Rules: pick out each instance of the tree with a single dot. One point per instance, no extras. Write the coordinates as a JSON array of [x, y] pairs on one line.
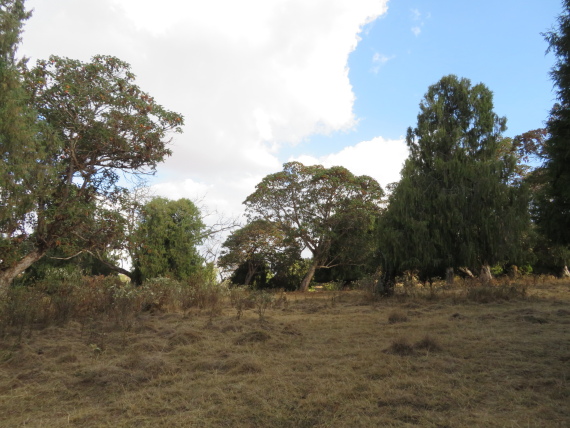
[[21, 176], [256, 245], [553, 209], [166, 240], [91, 122], [353, 256], [311, 204], [460, 202]]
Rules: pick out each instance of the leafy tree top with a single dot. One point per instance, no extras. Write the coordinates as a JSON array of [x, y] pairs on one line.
[[459, 202], [553, 202], [311, 205], [308, 201]]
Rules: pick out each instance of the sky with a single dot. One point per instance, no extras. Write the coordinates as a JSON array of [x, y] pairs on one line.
[[331, 82]]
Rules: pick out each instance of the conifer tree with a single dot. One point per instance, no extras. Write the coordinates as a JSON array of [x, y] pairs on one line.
[[553, 207], [459, 202]]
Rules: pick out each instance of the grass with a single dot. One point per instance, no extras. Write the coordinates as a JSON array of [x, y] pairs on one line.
[[443, 358]]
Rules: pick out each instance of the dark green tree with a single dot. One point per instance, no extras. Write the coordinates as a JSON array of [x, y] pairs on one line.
[[460, 202], [553, 205], [257, 246], [167, 239], [352, 255], [23, 171], [311, 205], [60, 172]]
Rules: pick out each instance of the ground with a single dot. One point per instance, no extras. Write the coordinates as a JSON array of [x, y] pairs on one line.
[[326, 359]]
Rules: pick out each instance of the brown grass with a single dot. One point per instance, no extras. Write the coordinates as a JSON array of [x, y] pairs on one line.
[[457, 361]]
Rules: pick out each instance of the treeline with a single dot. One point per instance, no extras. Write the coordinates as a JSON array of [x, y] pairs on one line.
[[470, 201]]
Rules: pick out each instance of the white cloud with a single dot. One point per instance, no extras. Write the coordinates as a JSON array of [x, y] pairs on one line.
[[379, 158], [378, 61], [417, 16], [248, 76]]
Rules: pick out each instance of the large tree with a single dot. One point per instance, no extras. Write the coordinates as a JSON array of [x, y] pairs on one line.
[[257, 245], [460, 202], [166, 240], [60, 171], [553, 208], [21, 175], [312, 205]]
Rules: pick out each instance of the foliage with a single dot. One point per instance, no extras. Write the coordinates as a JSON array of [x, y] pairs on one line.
[[255, 248], [313, 205], [552, 209], [166, 240], [91, 124], [288, 274], [459, 202], [353, 256]]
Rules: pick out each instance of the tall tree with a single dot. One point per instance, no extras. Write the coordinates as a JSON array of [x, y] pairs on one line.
[[167, 238], [23, 174], [311, 204], [459, 202], [553, 209], [92, 124]]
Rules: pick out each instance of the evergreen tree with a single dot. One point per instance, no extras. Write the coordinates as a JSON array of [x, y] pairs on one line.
[[553, 205], [459, 202]]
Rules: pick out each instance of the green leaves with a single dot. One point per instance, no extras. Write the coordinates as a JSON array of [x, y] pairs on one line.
[[105, 119], [458, 202], [166, 239], [311, 204], [67, 130], [553, 200]]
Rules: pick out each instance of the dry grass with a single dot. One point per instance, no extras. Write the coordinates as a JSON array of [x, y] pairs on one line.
[[308, 361]]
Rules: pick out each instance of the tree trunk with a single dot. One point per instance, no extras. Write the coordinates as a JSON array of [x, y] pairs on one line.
[[467, 272], [8, 275], [565, 272], [250, 272], [449, 276], [309, 277], [118, 269], [485, 277]]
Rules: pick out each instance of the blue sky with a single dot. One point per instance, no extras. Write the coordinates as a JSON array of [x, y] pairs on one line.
[[335, 82], [498, 43]]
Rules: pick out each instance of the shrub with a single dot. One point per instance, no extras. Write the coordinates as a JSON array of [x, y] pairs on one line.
[[397, 316]]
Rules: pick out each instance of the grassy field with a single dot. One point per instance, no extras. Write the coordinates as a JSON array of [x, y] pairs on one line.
[[445, 358]]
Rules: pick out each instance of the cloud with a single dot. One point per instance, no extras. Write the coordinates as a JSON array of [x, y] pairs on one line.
[[378, 61], [417, 16], [379, 158], [248, 76]]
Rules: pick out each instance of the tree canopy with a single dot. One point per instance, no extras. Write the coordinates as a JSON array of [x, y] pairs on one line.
[[68, 129], [311, 204], [258, 244], [459, 202], [166, 240], [553, 205]]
